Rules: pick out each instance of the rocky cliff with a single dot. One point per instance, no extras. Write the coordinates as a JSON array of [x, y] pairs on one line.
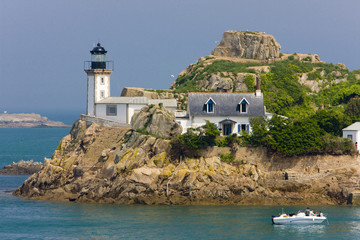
[[126, 166], [254, 45]]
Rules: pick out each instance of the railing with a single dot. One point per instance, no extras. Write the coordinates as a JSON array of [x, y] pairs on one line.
[[109, 65]]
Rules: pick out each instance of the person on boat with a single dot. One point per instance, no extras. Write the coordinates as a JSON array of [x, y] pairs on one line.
[[307, 212]]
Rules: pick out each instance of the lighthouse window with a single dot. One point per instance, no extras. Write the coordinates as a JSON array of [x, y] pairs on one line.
[[102, 94], [102, 80], [111, 110]]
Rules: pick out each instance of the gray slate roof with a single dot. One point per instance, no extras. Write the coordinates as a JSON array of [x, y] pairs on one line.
[[226, 104]]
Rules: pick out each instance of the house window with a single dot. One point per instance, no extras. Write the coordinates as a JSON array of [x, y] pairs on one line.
[[244, 108], [349, 136], [111, 110], [243, 127], [210, 105]]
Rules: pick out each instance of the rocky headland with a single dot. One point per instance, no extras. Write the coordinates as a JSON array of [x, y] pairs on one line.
[[28, 120], [137, 165], [127, 166]]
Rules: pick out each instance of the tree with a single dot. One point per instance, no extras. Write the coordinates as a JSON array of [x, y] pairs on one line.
[[300, 137], [259, 131], [331, 121], [353, 107], [211, 132]]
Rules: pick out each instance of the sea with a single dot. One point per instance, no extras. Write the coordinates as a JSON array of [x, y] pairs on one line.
[[27, 219]]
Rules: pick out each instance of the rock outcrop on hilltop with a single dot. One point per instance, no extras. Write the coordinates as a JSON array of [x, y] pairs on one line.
[[124, 166], [254, 45]]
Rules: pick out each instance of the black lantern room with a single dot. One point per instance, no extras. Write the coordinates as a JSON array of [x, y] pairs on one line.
[[98, 57]]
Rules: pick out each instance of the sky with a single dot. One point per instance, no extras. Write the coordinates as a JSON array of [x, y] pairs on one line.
[[43, 44]]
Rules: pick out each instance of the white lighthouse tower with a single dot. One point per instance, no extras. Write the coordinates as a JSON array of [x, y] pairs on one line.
[[98, 79]]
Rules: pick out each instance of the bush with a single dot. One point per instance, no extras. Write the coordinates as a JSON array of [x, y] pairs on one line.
[[338, 145], [298, 138], [226, 157], [221, 142], [331, 121], [353, 107], [249, 80], [259, 131], [193, 140]]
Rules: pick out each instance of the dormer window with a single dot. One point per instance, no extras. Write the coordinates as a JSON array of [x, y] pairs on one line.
[[210, 105], [243, 106]]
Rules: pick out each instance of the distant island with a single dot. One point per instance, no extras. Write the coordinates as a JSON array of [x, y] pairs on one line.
[[28, 120]]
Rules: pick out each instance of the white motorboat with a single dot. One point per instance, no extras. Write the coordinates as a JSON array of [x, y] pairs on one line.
[[299, 218]]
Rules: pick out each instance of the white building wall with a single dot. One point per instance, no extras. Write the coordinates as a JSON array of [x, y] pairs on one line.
[[122, 109], [102, 87], [90, 96], [354, 136], [120, 112], [198, 121], [185, 123]]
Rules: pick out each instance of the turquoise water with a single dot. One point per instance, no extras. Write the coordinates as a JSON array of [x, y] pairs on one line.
[[23, 219], [29, 143]]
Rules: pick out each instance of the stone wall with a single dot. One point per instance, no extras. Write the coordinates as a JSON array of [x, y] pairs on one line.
[[102, 121]]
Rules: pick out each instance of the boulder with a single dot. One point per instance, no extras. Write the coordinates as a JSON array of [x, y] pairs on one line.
[[157, 121], [138, 92], [78, 130]]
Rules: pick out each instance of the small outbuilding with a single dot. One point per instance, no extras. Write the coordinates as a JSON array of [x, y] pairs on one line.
[[353, 132]]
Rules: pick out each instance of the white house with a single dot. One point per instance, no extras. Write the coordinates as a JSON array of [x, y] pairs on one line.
[[100, 104], [353, 132], [231, 112]]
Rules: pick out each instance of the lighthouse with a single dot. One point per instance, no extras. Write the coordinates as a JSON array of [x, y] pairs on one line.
[[98, 72]]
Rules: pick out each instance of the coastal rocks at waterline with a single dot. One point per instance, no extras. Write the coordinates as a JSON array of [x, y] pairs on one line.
[[253, 45], [21, 168], [127, 166]]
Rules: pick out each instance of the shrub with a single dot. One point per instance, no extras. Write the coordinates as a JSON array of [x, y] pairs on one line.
[[291, 58], [193, 140], [221, 142], [338, 145], [353, 107], [314, 76], [226, 157], [331, 121], [297, 138], [249, 80], [259, 131]]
